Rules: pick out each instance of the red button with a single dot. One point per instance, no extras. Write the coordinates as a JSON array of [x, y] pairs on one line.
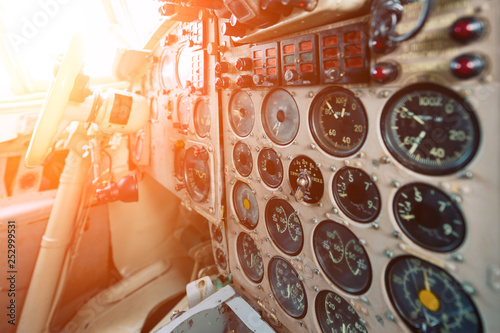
[[467, 29]]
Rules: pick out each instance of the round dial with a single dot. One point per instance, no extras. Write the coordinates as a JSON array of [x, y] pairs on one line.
[[338, 121], [429, 217], [242, 158], [220, 259], [167, 70], [342, 257], [179, 153], [184, 67], [202, 118], [217, 232], [280, 117], [270, 167], [183, 111], [284, 226], [357, 195], [245, 205], [430, 129], [428, 299], [241, 113], [287, 287], [335, 315], [197, 172], [250, 257], [306, 179]]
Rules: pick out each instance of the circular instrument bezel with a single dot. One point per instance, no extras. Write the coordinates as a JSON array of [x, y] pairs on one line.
[[196, 193], [250, 273], [287, 116], [432, 167], [202, 130], [252, 201], [167, 80], [240, 167], [235, 97], [343, 309], [320, 133], [316, 183], [274, 179], [283, 236]]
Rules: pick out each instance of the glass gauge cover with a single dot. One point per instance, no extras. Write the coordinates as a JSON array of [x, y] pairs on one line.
[[202, 118], [280, 117], [429, 217], [287, 287], [250, 257], [245, 205], [430, 129], [220, 259], [167, 70], [242, 158], [184, 67], [179, 153], [342, 257], [270, 167], [183, 111], [284, 226], [356, 194], [197, 173], [306, 179], [338, 121], [241, 113], [428, 299], [336, 315], [217, 231]]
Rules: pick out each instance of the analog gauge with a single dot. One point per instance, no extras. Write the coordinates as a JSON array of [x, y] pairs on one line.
[[338, 121], [284, 226], [202, 118], [306, 179], [183, 70], [430, 129], [183, 111], [153, 108], [242, 158], [429, 217], [216, 232], [250, 257], [241, 113], [356, 194], [197, 173], [287, 287], [342, 257], [179, 153], [428, 299], [335, 315], [245, 205], [167, 70], [270, 167], [280, 117], [220, 259]]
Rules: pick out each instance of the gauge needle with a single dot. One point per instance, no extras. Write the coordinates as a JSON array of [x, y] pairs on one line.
[[407, 217], [331, 255], [288, 289], [342, 114], [417, 142], [418, 119], [331, 110], [426, 282], [343, 328]]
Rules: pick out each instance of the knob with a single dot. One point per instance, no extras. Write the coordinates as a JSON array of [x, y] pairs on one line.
[[221, 82], [213, 48], [334, 74], [227, 29], [291, 75], [384, 72], [221, 67], [243, 64], [467, 29], [244, 81], [467, 66]]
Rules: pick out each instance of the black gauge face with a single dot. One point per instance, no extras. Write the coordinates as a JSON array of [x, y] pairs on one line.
[[183, 111], [167, 71], [184, 67], [429, 217], [179, 153], [202, 118], [357, 195], [197, 173], [250, 257], [335, 315], [284, 226], [242, 158], [287, 287], [241, 113], [430, 129], [338, 121], [342, 257], [245, 205], [280, 117], [216, 232], [306, 179], [428, 299], [220, 259], [270, 167]]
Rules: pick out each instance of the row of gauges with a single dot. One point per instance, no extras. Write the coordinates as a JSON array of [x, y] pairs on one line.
[[428, 128], [426, 214], [427, 298], [201, 115]]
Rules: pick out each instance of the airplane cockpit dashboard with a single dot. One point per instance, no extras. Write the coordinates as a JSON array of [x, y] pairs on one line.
[[331, 166]]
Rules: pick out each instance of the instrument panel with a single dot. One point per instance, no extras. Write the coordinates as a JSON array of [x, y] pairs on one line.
[[348, 189]]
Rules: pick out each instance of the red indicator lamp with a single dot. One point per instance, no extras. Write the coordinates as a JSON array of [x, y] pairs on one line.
[[467, 29], [384, 72], [467, 66]]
